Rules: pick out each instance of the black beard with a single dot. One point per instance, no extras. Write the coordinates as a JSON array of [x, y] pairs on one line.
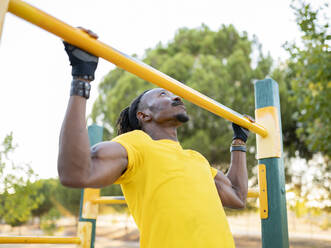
[[182, 118]]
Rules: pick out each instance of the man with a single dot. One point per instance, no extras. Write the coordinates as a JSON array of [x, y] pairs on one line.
[[174, 195]]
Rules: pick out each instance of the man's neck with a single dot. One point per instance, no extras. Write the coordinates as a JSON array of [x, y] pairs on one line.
[[159, 132]]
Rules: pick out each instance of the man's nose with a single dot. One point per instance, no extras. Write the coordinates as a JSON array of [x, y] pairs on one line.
[[176, 98]]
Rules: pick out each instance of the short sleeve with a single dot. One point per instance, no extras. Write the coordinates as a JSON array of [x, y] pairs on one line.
[[130, 143], [213, 171]]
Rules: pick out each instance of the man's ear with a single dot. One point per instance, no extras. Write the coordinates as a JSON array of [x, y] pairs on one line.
[[143, 117]]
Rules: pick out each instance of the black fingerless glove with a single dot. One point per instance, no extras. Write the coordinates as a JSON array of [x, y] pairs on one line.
[[240, 132], [83, 63]]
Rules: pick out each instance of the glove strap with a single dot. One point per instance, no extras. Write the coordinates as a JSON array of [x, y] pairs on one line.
[[80, 88], [237, 148]]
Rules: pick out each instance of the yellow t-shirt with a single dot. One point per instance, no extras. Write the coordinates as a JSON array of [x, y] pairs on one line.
[[171, 195]]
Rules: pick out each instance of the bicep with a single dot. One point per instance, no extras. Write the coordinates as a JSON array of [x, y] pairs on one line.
[[108, 161], [227, 192]]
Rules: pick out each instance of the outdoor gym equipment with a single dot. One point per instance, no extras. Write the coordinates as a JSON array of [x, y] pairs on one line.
[[267, 127]]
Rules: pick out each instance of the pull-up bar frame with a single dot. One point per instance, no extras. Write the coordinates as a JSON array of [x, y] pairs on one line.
[[80, 39], [268, 127]]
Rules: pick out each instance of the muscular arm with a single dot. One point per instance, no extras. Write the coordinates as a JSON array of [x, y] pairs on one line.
[[78, 165], [232, 188]]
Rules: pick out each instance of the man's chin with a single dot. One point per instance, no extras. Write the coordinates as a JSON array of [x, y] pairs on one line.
[[183, 118]]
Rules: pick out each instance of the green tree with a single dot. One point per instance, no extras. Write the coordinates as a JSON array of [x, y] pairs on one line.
[[56, 198], [216, 63], [309, 74], [48, 221], [46, 189], [19, 196], [69, 198]]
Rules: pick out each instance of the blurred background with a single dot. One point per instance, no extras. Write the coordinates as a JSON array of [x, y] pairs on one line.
[[216, 47]]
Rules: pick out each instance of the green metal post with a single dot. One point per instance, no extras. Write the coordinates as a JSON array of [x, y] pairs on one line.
[[95, 133], [274, 227]]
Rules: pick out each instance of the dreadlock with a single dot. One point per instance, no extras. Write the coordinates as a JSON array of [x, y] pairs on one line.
[[127, 121]]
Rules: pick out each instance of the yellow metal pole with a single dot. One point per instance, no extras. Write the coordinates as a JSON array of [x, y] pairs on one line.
[[109, 200], [3, 11], [39, 240], [88, 215], [253, 193], [82, 40]]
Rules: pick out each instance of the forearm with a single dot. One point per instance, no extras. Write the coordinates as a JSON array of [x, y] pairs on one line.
[[74, 160], [237, 174], [74, 149]]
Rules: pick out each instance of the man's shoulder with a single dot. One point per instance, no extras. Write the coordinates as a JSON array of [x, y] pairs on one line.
[[196, 154], [135, 136]]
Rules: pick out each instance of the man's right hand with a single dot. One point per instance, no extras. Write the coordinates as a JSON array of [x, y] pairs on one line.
[[241, 132], [83, 63]]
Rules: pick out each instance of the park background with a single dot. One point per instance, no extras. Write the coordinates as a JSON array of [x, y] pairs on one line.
[[216, 47]]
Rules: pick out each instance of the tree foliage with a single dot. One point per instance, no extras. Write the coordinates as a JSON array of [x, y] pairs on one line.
[[216, 63], [18, 196], [68, 198], [309, 74], [48, 221], [47, 189], [55, 195]]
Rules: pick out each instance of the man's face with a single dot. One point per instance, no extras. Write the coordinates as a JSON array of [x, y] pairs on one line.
[[163, 106]]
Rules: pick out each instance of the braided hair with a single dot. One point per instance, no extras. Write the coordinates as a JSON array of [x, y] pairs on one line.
[[127, 121]]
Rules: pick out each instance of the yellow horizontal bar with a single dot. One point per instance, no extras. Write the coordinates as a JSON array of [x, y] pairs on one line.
[[39, 240], [84, 41], [253, 193], [109, 200], [121, 200]]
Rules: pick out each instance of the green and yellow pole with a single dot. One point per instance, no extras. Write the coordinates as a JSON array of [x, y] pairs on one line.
[[84, 41], [271, 166], [88, 210]]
